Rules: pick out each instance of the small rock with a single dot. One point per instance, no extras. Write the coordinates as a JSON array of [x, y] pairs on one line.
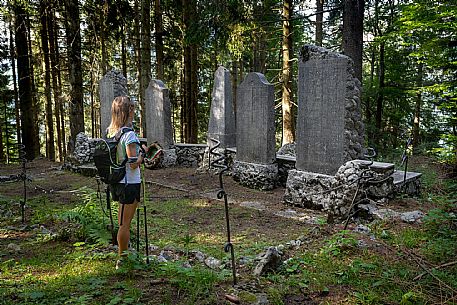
[[161, 259], [383, 214], [362, 229], [13, 247], [199, 256], [212, 263], [168, 255], [269, 261], [153, 248], [244, 260], [262, 299], [412, 217], [186, 265]]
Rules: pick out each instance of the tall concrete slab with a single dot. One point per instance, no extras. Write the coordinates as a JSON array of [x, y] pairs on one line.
[[221, 125], [158, 114], [255, 126], [255, 165], [329, 126], [112, 85]]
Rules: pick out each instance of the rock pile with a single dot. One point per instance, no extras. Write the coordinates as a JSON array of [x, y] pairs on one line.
[[337, 195], [84, 149]]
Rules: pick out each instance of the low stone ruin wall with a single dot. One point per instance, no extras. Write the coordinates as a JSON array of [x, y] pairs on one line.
[[187, 155], [354, 184]]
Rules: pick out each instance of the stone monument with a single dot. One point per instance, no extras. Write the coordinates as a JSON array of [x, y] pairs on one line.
[[329, 132], [113, 84], [255, 165], [158, 120], [221, 124]]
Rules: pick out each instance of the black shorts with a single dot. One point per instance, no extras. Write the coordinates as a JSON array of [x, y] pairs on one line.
[[126, 194]]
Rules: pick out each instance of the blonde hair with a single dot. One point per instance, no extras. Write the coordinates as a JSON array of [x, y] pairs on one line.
[[120, 111]]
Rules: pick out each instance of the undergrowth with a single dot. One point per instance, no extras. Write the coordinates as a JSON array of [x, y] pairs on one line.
[[403, 264]]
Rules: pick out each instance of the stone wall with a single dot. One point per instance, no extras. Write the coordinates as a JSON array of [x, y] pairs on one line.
[[354, 183]]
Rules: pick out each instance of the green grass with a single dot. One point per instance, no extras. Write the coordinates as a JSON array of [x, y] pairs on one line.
[[75, 266]]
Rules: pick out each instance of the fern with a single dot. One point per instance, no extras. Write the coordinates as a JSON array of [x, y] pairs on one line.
[[92, 217]]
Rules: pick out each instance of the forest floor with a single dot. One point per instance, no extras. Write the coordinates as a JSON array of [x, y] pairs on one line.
[[61, 254]]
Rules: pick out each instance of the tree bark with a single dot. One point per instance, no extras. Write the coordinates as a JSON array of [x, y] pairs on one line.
[[103, 35], [73, 36], [158, 22], [288, 126], [194, 95], [124, 52], [319, 22], [380, 97], [145, 32], [353, 33], [44, 12], [28, 125], [137, 46], [15, 92], [417, 108], [55, 70], [36, 107], [190, 92]]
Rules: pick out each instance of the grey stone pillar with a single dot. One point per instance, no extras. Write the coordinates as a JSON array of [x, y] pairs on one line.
[[112, 85], [158, 119], [329, 125], [255, 165], [221, 124], [329, 129]]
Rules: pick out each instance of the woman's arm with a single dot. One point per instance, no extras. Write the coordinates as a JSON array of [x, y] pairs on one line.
[[131, 153]]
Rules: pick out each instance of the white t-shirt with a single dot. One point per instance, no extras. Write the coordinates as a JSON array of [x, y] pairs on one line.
[[132, 175]]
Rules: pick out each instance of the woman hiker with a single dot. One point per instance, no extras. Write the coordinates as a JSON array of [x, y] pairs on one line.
[[127, 191]]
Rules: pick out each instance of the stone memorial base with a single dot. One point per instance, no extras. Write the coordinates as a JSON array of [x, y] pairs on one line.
[[310, 190], [256, 176], [169, 158], [355, 182]]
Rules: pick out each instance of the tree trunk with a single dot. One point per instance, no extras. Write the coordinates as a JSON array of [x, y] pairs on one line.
[[190, 94], [36, 107], [15, 92], [124, 51], [73, 36], [319, 22], [417, 108], [194, 95], [137, 45], [55, 70], [103, 35], [288, 128], [28, 125], [380, 97], [159, 39], [44, 12], [5, 120], [61, 102], [145, 32], [353, 33]]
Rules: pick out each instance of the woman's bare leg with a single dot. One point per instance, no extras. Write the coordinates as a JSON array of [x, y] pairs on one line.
[[123, 235]]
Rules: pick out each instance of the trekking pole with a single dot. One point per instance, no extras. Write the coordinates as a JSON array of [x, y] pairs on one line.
[[143, 181], [146, 234], [222, 194], [108, 206], [138, 230]]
